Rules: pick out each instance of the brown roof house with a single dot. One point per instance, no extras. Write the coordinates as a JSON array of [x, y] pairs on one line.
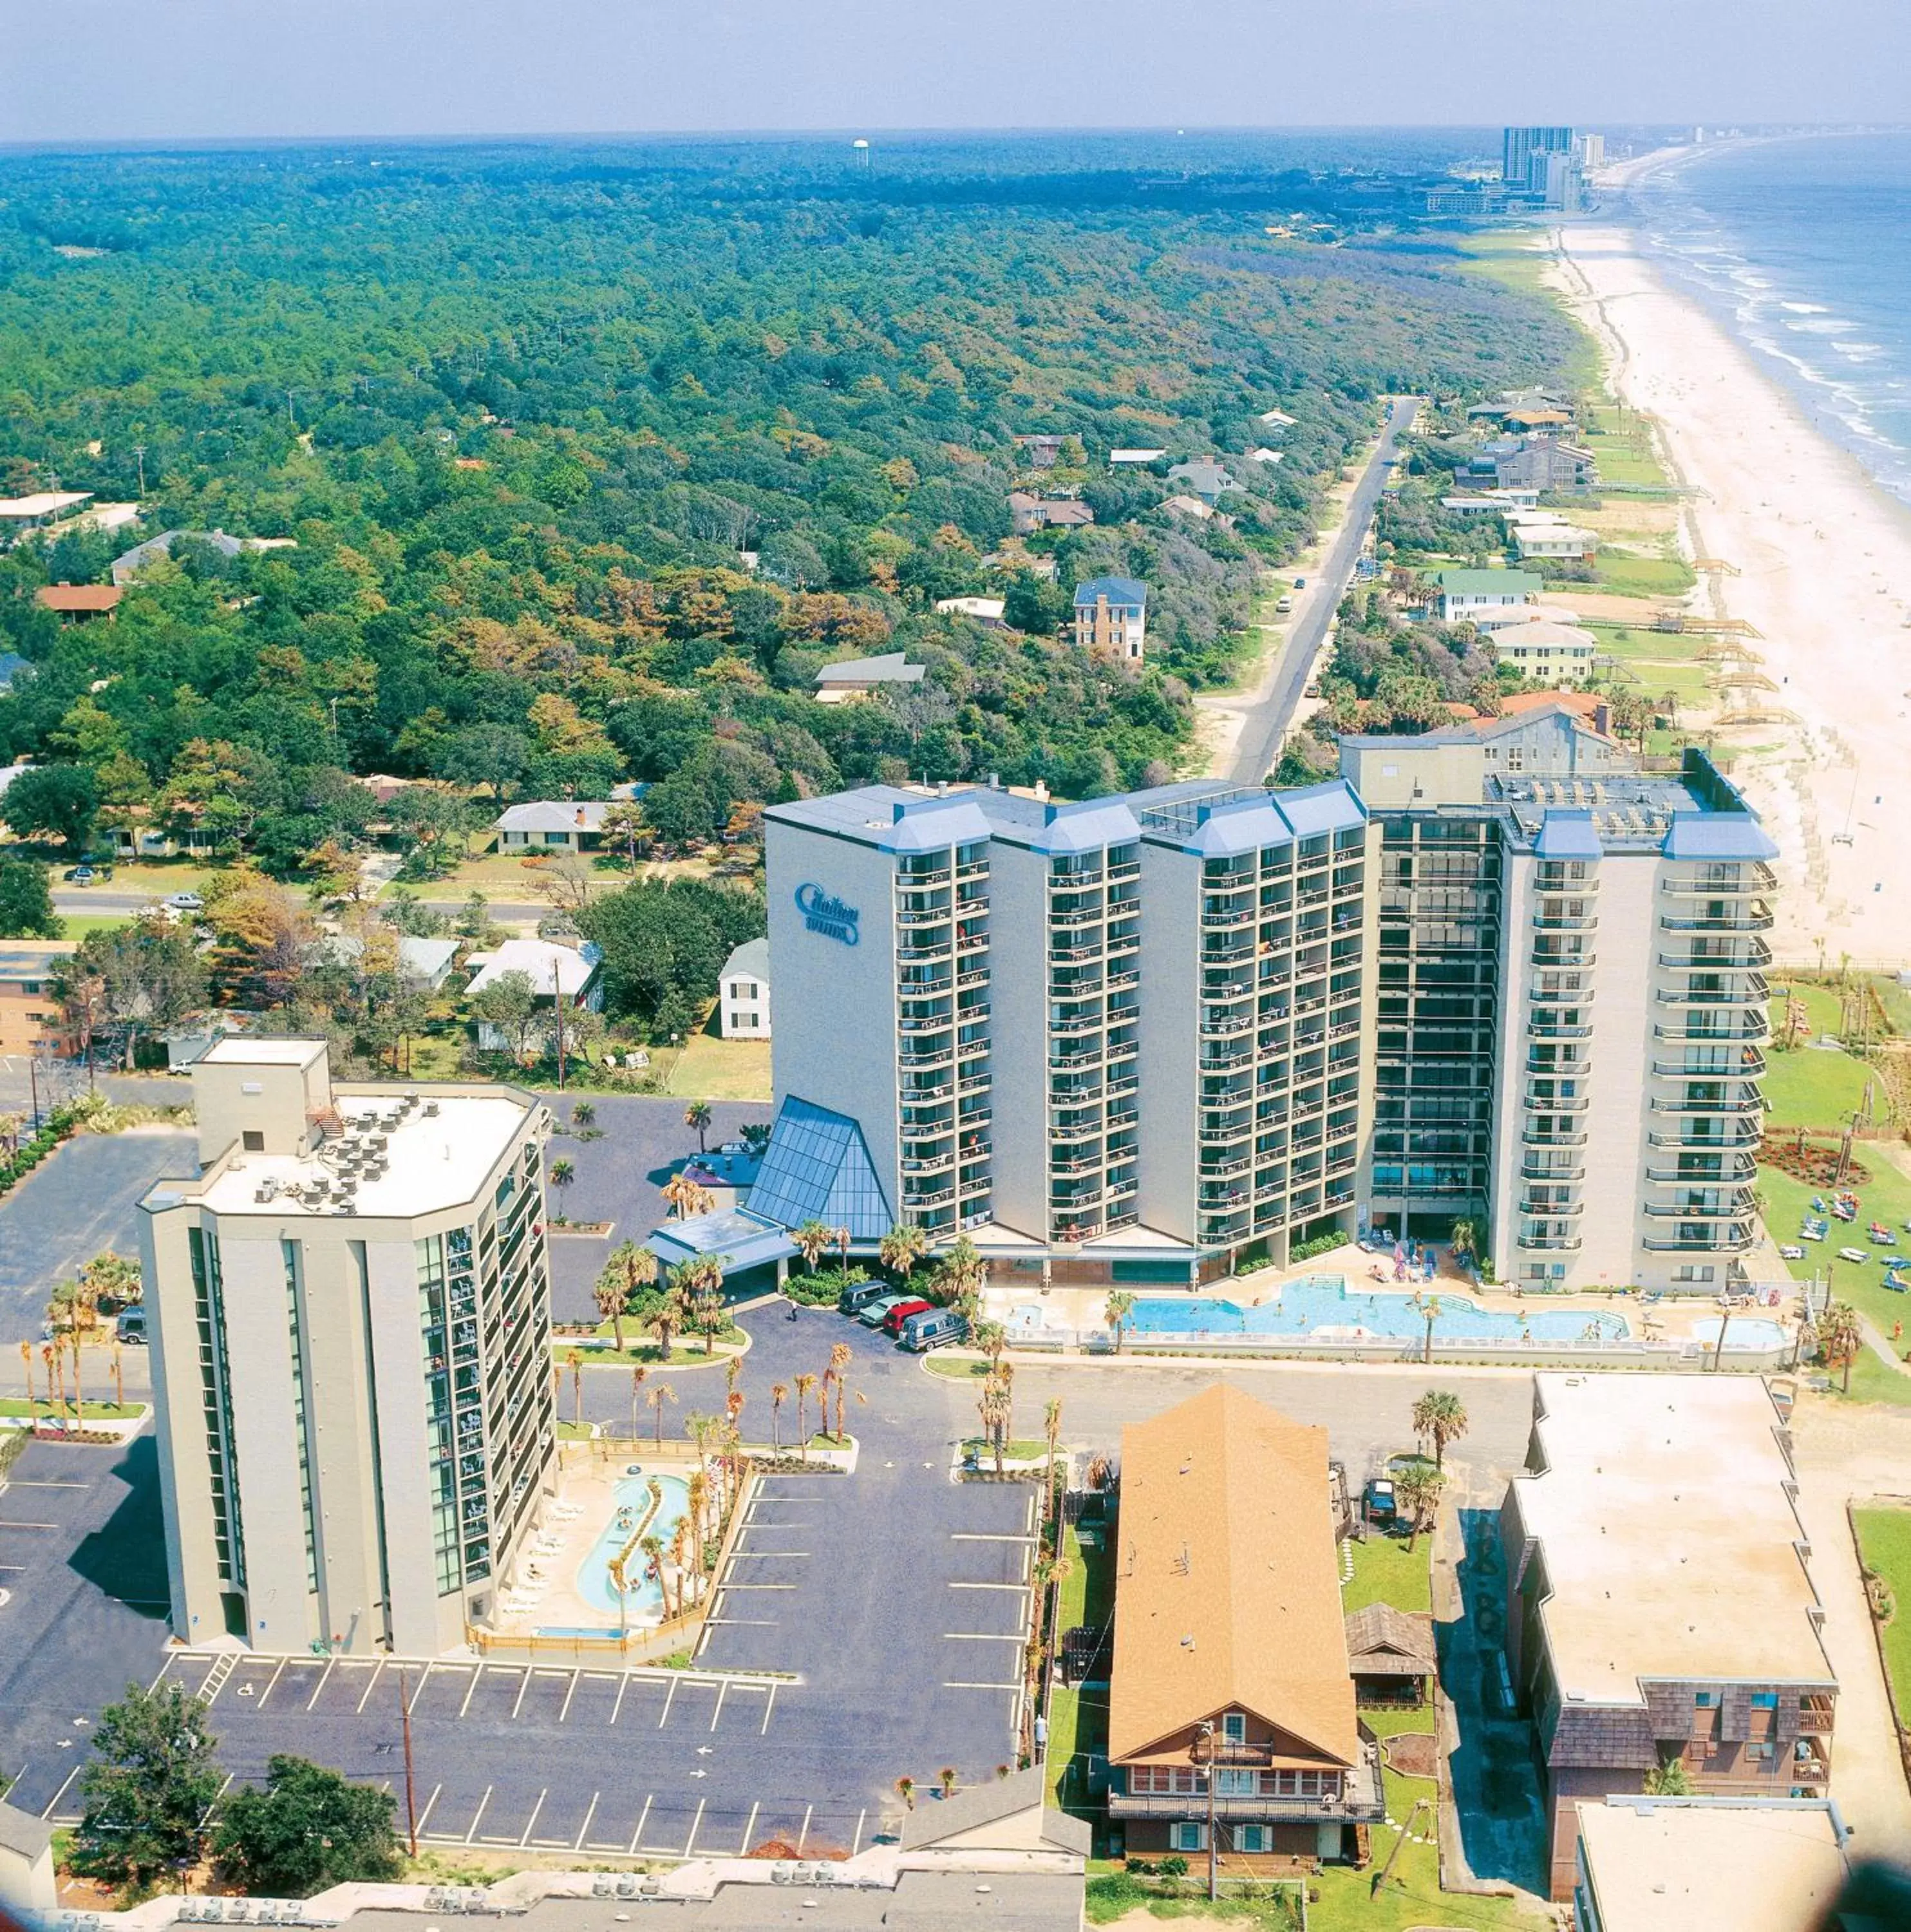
[[1230, 1658], [1390, 1655], [79, 603], [1029, 513]]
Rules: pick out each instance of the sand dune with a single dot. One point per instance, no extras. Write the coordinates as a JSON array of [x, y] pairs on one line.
[[1825, 556]]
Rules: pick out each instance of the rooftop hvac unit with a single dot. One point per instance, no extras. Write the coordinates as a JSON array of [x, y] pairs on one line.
[[431, 1110]]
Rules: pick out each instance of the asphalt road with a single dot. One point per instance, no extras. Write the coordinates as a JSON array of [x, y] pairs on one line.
[[1258, 748]]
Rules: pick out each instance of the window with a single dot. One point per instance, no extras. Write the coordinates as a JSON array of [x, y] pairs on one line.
[[252, 1141], [1253, 1838], [1705, 1700], [1236, 1783], [1760, 1754], [1187, 1836], [1234, 1727], [1765, 1700]]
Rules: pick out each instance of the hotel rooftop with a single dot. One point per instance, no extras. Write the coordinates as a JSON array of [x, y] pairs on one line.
[[1663, 1509]]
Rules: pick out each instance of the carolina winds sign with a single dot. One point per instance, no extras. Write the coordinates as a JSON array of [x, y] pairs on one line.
[[827, 915]]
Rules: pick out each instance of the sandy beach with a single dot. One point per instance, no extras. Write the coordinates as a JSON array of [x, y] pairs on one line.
[[1824, 561]]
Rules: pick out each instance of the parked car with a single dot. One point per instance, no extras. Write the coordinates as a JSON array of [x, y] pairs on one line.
[[185, 902], [1380, 1500], [1283, 605], [900, 1312], [1300, 583], [132, 1326], [859, 1295], [934, 1330], [872, 1313], [79, 875]]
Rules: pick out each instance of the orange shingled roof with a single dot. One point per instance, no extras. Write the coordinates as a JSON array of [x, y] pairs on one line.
[[1225, 1537], [80, 596]]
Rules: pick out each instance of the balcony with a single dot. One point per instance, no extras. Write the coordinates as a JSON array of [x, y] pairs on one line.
[[1553, 1244], [1553, 1211], [1755, 918], [913, 1060], [1565, 922], [1718, 881], [1363, 1804], [1754, 1105], [1748, 1063], [1532, 1136], [1542, 1026], [1225, 1025], [1076, 1025], [1737, 1240], [1734, 1205], [1688, 1142], [1532, 1170], [1756, 1030], [1061, 951], [1754, 989], [926, 1197], [909, 917], [1576, 996], [909, 953], [1222, 1061]]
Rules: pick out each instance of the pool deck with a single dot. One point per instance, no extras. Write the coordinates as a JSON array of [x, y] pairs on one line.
[[589, 1475], [1674, 1321]]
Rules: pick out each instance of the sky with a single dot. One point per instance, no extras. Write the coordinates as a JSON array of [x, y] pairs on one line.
[[145, 70]]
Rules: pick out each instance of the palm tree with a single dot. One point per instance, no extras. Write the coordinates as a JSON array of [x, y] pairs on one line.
[[1440, 1417], [1668, 1779], [696, 1496], [1465, 1236], [658, 1397], [946, 1778], [842, 1247], [608, 1293], [963, 1272], [905, 1791], [584, 1115], [1116, 1311], [1052, 1429], [574, 1362], [687, 1198], [637, 1375], [839, 1360], [991, 1337], [652, 1547], [901, 1249], [697, 1115], [1418, 1485], [804, 1383], [673, 1315], [79, 1398], [992, 1407], [811, 1237], [562, 1175], [1428, 1306], [26, 1356], [680, 1556], [706, 1298], [633, 1266], [1842, 1338], [779, 1392]]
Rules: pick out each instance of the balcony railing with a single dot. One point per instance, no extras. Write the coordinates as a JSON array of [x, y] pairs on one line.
[[1734, 1241], [1741, 1168], [1755, 918], [1755, 1104], [1690, 1143], [1553, 1211], [1553, 1244]]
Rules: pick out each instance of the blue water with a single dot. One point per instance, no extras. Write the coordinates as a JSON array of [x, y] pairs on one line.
[[1800, 245], [1745, 1331], [1307, 1307], [645, 1596]]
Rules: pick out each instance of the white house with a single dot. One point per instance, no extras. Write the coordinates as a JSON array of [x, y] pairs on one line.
[[984, 609], [552, 825], [565, 976], [743, 992], [1122, 458], [857, 677], [1545, 652]]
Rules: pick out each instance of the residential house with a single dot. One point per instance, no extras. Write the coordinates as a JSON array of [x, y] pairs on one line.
[[857, 677], [1390, 1654], [1043, 451], [552, 825], [1029, 513], [30, 1018], [1547, 653], [985, 610], [29, 1890], [1230, 1654], [1711, 1864], [743, 992], [423, 965], [1532, 462], [1265, 455], [1660, 1608], [1205, 478], [1483, 506], [1277, 419], [19, 514], [1121, 458], [1483, 597], [565, 976], [78, 603], [129, 563], [1111, 617], [1193, 506], [1537, 533]]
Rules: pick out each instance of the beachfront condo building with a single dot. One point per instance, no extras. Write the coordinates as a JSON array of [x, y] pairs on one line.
[[1115, 1041], [349, 1313], [1568, 1002]]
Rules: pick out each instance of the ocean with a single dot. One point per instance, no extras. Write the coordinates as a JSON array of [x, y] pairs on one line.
[[1801, 245]]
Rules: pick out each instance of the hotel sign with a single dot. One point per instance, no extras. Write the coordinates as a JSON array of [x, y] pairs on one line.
[[823, 914]]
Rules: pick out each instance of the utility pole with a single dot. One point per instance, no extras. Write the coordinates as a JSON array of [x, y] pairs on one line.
[[33, 1080], [140, 458], [410, 1787], [1214, 1850]]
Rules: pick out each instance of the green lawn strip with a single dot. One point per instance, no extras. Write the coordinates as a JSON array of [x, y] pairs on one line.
[[636, 1353], [1017, 1449], [1385, 1572], [1643, 576], [958, 1368], [1884, 1539], [91, 1411], [1820, 1004], [1887, 1197], [78, 925], [1809, 1086]]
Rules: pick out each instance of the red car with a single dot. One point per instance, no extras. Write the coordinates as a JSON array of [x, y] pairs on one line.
[[892, 1322]]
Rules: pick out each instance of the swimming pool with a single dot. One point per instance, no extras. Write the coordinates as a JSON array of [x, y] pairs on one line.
[[1743, 1331], [643, 1596], [1322, 1306]]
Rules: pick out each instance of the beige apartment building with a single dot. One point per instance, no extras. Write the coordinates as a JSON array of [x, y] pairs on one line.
[[349, 1311], [1660, 1608]]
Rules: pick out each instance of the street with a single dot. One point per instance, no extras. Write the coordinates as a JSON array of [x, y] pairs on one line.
[[1258, 748]]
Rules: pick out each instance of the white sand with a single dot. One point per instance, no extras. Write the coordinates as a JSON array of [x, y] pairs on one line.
[[1825, 558]]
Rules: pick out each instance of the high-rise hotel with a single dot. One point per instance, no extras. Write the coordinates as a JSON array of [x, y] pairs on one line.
[[1114, 1041], [1495, 972], [349, 1311]]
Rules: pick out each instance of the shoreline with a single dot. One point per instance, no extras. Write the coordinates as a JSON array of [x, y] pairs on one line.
[[1822, 554]]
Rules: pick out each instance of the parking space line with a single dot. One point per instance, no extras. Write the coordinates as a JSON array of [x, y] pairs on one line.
[[952, 1685], [623, 1687], [424, 1678], [378, 1671], [802, 1837], [517, 1703], [269, 1690], [987, 1536], [424, 1817], [28, 1525], [578, 1845], [856, 1844], [769, 1705], [643, 1818], [532, 1820], [723, 1690], [728, 1587], [572, 1691], [669, 1697], [324, 1677], [981, 1637], [1017, 1587], [766, 1623], [53, 1804], [801, 1555], [694, 1823], [471, 1689], [471, 1837], [743, 1850]]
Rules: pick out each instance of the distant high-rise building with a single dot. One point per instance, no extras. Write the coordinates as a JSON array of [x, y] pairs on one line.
[[1519, 144], [1591, 151]]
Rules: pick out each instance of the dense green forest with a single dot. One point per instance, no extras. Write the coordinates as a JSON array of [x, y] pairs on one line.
[[592, 456]]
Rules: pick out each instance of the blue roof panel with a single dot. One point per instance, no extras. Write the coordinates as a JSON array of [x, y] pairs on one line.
[[817, 1167], [1568, 835], [1116, 589], [1331, 807], [1717, 835]]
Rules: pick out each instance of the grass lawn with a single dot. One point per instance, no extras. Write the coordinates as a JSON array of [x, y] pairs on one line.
[[78, 925], [1386, 1572], [686, 1350], [957, 1368], [1808, 1086], [1884, 1538], [1653, 577], [710, 1069], [1017, 1449], [92, 1411]]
